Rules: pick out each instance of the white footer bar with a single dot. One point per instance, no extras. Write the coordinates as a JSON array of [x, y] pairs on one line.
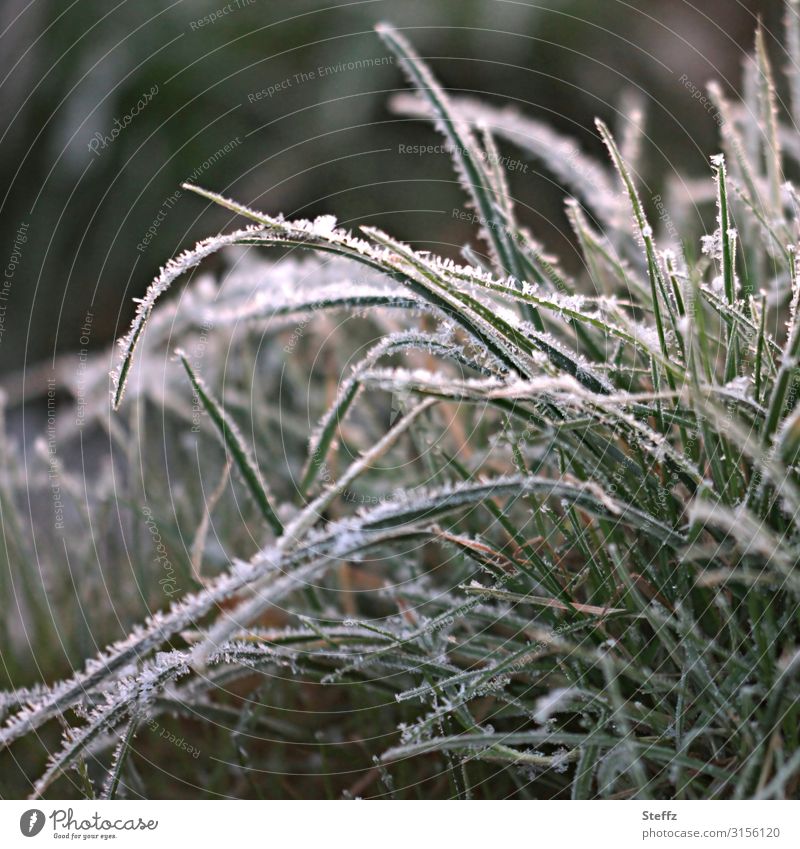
[[406, 825]]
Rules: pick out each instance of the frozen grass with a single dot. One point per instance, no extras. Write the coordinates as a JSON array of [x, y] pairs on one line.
[[573, 573]]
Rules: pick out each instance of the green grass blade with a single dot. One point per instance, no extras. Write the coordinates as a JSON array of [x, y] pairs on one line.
[[232, 440]]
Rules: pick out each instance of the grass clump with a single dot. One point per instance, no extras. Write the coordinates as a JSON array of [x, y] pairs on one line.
[[573, 570]]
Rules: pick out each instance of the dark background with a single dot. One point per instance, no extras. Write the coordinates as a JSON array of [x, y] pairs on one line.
[[69, 69]]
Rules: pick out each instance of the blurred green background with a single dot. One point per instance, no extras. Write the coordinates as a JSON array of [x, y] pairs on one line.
[[181, 81]]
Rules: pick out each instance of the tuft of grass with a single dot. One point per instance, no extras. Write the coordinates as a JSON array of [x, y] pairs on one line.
[[573, 573]]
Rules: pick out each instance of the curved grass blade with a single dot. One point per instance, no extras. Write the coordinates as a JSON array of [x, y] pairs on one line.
[[233, 441], [171, 271]]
